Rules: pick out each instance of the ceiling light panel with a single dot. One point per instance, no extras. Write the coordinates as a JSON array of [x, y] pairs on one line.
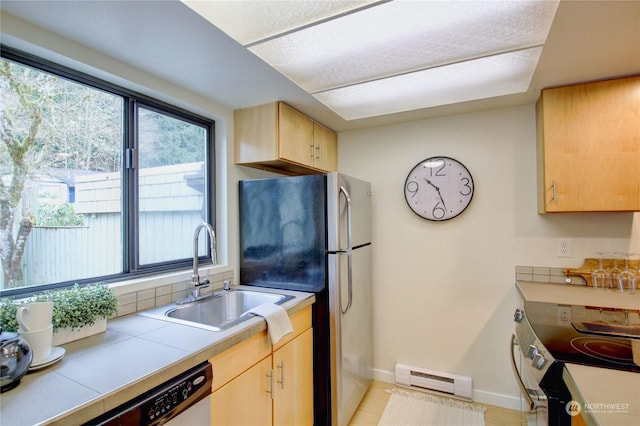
[[465, 81], [402, 36], [248, 21]]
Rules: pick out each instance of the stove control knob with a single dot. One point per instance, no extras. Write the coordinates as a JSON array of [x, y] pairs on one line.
[[532, 351], [518, 315], [539, 361]]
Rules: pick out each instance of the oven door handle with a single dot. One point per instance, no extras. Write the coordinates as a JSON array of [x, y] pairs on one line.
[[523, 388]]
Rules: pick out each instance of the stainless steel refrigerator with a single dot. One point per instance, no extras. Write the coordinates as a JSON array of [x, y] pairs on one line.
[[313, 233]]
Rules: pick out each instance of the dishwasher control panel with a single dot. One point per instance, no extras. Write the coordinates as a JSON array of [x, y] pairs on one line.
[[163, 402]]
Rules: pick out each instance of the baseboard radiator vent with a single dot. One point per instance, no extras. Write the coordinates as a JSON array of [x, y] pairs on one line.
[[434, 381]]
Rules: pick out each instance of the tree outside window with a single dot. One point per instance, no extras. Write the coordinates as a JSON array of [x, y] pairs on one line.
[[64, 179]]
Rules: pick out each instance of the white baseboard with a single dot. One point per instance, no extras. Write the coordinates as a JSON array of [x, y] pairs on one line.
[[384, 376], [483, 397], [497, 400]]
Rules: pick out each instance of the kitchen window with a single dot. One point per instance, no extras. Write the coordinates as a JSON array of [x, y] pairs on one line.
[[98, 183]]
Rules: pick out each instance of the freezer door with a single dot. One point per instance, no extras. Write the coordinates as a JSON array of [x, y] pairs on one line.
[[340, 188], [283, 233]]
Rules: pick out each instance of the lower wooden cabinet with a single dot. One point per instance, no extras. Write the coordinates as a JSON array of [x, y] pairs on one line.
[[255, 383], [246, 399], [293, 384]]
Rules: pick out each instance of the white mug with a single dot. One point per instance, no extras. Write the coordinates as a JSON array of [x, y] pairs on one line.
[[35, 316], [40, 342]]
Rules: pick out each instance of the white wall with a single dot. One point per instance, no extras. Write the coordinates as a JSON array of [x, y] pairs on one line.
[[444, 292]]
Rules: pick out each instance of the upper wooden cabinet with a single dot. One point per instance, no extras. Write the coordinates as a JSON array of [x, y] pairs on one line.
[[278, 138], [588, 138]]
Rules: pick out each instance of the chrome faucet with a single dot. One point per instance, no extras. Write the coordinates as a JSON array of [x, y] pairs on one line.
[[195, 278]]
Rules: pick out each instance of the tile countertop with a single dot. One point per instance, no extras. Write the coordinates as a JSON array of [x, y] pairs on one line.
[[607, 397], [612, 397], [135, 354]]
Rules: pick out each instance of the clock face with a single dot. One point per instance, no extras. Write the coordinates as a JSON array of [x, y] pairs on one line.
[[438, 188]]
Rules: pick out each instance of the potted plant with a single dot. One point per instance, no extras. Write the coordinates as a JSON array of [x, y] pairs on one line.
[[77, 311]]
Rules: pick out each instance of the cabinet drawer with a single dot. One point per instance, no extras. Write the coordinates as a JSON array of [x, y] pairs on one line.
[[232, 362], [300, 321]]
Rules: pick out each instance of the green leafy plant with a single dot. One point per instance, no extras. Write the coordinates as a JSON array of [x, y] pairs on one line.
[[73, 307], [62, 215]]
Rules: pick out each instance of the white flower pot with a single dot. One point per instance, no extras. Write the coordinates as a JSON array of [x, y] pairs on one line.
[[66, 335]]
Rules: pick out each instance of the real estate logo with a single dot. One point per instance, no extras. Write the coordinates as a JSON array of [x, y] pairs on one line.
[[573, 408]]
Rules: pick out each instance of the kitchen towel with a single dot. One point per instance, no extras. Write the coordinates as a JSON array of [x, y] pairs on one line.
[[278, 323]]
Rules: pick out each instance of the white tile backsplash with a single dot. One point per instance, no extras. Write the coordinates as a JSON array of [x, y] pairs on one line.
[[544, 274], [129, 303]]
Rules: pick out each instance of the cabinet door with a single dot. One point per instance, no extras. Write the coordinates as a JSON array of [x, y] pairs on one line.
[[295, 136], [255, 130], [589, 142], [325, 148], [246, 399], [293, 374]]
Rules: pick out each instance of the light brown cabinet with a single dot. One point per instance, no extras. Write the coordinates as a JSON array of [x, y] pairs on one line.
[[256, 383], [276, 137], [293, 386], [589, 147]]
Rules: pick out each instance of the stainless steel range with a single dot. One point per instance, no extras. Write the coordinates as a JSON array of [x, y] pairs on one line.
[[548, 335]]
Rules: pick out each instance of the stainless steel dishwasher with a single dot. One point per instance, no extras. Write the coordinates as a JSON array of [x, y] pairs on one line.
[[183, 400]]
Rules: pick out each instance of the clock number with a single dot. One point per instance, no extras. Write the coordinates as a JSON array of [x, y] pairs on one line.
[[413, 189], [467, 188], [438, 170], [438, 211]]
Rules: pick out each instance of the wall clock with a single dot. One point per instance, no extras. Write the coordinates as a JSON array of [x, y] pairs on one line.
[[438, 188]]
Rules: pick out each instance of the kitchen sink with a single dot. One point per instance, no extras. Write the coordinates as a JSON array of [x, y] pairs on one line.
[[217, 312]]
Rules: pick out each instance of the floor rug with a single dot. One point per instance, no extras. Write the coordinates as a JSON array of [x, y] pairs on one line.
[[419, 409]]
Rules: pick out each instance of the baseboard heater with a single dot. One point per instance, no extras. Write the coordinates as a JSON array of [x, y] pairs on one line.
[[433, 381]]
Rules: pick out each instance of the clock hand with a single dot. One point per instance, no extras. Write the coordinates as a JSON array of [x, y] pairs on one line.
[[438, 191], [430, 183]]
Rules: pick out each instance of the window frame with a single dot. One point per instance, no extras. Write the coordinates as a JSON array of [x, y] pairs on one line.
[[132, 100]]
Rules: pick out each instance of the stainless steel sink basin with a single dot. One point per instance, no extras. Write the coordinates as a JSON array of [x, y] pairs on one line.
[[218, 312]]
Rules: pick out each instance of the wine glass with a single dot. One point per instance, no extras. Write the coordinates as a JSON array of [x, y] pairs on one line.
[[614, 271], [600, 278], [627, 279]]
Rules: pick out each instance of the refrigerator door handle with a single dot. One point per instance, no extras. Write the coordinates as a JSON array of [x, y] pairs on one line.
[[348, 250], [349, 285]]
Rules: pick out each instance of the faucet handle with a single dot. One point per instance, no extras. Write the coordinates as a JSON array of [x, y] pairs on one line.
[[204, 283]]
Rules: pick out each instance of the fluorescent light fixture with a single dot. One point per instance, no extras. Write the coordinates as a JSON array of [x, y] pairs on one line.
[[248, 21], [482, 78], [370, 58]]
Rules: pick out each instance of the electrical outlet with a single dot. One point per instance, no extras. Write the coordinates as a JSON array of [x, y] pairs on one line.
[[564, 247], [564, 314]]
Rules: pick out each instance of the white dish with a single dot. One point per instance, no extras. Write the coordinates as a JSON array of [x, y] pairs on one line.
[[56, 355]]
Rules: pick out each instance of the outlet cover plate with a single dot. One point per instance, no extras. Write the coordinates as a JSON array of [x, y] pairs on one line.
[[564, 247]]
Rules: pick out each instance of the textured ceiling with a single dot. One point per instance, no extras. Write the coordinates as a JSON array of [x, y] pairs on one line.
[[589, 40]]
